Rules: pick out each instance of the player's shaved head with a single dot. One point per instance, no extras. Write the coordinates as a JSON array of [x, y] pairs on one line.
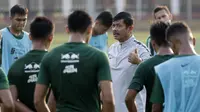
[[179, 31], [180, 37]]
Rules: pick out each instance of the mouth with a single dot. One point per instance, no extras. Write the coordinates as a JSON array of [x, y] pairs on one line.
[[20, 26], [116, 34]]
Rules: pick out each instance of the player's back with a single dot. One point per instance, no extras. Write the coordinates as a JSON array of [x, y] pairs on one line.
[[180, 79], [75, 74], [23, 74]]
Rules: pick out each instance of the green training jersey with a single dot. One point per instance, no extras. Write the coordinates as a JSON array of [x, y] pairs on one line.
[[149, 45], [74, 71], [145, 75], [23, 74], [3, 80]]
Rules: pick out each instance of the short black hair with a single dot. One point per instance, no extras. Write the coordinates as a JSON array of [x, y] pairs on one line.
[[128, 20], [41, 28], [79, 21], [105, 18], [159, 8], [177, 28], [18, 9], [157, 32]]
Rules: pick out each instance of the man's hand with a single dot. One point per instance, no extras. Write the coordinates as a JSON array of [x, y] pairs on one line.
[[134, 58]]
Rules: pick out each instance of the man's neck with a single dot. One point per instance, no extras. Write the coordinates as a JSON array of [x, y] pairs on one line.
[[185, 50], [77, 37], [165, 51], [94, 33], [15, 32], [39, 46], [125, 39]]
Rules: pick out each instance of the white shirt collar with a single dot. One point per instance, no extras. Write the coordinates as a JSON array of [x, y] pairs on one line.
[[127, 42]]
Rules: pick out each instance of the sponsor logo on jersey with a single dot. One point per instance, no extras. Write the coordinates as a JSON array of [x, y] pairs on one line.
[[70, 69], [70, 58], [32, 78], [31, 68], [190, 78]]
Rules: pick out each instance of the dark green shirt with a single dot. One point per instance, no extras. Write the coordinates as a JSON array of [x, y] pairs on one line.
[[144, 76], [3, 80], [149, 45], [157, 95], [23, 74], [74, 71]]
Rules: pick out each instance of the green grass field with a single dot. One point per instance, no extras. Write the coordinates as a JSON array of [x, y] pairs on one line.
[[61, 38]]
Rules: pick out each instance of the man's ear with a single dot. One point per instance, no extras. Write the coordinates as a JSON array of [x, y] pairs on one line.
[[51, 37], [10, 17], [130, 28], [30, 37], [171, 17], [67, 29], [89, 30], [154, 45], [194, 41]]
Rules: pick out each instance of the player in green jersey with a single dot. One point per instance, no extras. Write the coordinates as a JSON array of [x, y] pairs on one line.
[[76, 72], [24, 72]]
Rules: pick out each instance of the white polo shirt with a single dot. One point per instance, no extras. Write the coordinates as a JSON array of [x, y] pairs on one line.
[[122, 72]]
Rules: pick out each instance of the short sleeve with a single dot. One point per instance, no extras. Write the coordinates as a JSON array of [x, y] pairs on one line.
[[44, 76], [103, 70], [138, 80], [157, 95], [143, 51], [3, 80]]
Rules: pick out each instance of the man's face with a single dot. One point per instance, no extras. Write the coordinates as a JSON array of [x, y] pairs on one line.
[[120, 30], [163, 16], [19, 22], [99, 29]]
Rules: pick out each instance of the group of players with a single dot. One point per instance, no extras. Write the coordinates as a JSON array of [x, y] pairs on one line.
[[84, 75]]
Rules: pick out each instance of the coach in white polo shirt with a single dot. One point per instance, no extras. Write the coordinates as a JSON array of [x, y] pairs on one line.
[[121, 56]]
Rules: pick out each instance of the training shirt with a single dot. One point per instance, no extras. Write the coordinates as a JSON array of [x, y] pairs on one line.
[[100, 42], [13, 47], [3, 80], [179, 79], [122, 72], [24, 74], [149, 45], [74, 71]]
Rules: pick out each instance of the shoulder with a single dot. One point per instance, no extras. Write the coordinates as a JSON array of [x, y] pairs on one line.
[[25, 33], [18, 63], [165, 65], [94, 50], [17, 67], [4, 29], [116, 44], [2, 73], [105, 34], [147, 63], [140, 45], [53, 54]]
